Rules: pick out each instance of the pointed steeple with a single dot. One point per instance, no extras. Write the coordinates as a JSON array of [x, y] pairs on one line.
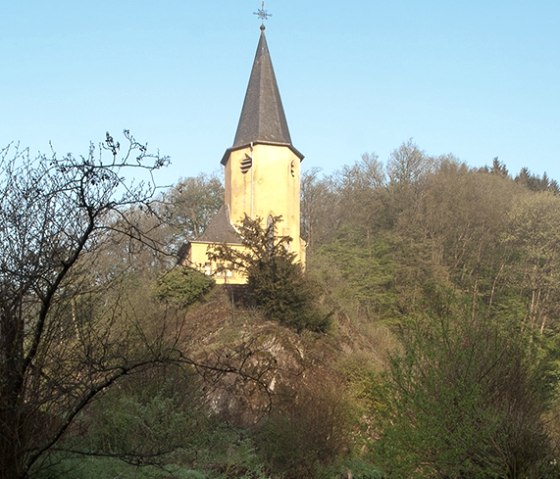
[[262, 117]]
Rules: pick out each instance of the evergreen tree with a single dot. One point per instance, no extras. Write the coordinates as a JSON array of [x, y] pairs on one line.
[[275, 282]]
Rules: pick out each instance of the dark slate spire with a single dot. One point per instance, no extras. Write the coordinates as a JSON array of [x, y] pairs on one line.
[[262, 117]]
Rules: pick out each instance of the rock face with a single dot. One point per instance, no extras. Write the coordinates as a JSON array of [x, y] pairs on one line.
[[305, 398], [254, 364]]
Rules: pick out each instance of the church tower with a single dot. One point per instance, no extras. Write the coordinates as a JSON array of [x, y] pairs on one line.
[[262, 169]]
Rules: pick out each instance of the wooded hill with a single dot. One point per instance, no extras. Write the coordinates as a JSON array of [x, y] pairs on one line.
[[428, 347]]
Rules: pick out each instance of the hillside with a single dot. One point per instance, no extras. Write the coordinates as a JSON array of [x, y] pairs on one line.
[[422, 340]]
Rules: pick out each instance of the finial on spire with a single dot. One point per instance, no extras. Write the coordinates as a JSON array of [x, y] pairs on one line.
[[262, 14]]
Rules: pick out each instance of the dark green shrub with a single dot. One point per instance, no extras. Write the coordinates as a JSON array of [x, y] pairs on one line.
[[182, 286], [280, 289], [306, 434], [355, 468], [465, 398], [276, 284]]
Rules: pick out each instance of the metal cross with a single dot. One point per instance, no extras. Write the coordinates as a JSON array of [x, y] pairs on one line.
[[262, 13]]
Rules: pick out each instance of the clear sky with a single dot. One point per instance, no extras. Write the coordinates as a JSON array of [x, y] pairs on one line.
[[477, 78]]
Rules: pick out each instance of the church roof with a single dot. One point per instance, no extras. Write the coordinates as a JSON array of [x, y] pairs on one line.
[[220, 230], [262, 117]]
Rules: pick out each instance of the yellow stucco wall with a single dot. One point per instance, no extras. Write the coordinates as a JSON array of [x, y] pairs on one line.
[[198, 259], [270, 187]]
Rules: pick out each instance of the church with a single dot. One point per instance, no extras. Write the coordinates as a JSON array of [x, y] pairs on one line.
[[262, 173]]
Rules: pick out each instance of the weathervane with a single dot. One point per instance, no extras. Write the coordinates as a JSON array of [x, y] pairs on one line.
[[262, 14]]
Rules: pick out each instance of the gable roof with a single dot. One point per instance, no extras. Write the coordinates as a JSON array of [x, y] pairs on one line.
[[220, 230]]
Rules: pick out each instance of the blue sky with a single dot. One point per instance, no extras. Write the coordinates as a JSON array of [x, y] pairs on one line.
[[478, 79]]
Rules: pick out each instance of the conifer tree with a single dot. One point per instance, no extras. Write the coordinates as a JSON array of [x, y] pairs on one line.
[[275, 282]]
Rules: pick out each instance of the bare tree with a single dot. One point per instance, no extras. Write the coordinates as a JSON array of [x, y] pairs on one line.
[[190, 206], [320, 206], [59, 345]]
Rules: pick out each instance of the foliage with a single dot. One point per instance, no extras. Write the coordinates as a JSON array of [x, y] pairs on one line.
[[536, 182], [387, 239], [354, 468], [182, 285], [467, 398], [56, 216], [307, 433], [78, 467], [275, 282], [462, 263], [279, 288], [154, 426], [358, 274], [367, 396], [145, 423], [533, 233], [190, 205]]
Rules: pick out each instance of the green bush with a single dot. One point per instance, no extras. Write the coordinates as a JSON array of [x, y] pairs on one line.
[[466, 398], [358, 469], [153, 427], [307, 434], [276, 283], [68, 466], [278, 287], [182, 286]]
